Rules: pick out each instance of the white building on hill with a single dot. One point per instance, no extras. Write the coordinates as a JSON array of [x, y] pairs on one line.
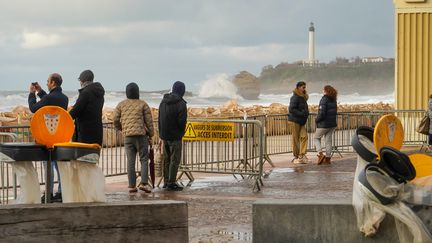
[[373, 59]]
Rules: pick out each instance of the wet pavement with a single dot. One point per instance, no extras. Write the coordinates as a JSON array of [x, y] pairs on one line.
[[220, 206]]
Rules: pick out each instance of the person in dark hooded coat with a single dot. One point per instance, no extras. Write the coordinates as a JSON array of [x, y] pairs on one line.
[[172, 124], [133, 117], [87, 111]]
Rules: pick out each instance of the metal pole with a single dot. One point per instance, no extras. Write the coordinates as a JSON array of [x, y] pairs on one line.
[[48, 169]]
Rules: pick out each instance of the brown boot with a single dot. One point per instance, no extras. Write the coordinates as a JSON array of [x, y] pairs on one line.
[[321, 157], [132, 189], [327, 160]]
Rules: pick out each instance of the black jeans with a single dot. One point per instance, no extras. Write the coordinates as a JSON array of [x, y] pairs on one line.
[[171, 157]]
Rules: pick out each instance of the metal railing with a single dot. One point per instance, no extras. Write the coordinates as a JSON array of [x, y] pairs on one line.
[[277, 129], [243, 156], [6, 171]]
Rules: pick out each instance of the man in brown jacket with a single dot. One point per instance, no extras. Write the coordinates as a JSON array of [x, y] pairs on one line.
[[133, 117]]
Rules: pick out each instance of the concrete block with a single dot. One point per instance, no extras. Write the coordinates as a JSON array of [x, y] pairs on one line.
[[140, 221], [313, 221]]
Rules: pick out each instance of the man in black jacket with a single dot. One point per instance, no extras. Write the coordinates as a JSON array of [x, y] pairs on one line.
[[172, 124], [298, 115], [54, 98], [87, 110]]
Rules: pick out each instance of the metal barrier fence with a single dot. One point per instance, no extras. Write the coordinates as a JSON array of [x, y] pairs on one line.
[[243, 156], [112, 160], [216, 156], [277, 129], [6, 172], [8, 179]]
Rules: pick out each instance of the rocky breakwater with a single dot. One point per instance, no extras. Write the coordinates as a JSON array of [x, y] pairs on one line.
[[11, 121], [20, 116], [247, 85], [232, 109], [277, 114]]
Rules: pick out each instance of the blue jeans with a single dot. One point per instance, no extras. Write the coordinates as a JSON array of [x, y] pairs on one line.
[[54, 165]]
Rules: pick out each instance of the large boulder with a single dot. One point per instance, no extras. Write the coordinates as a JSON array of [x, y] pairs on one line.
[[247, 85]]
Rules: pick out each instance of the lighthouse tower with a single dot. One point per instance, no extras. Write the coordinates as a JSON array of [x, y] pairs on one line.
[[311, 61], [311, 43]]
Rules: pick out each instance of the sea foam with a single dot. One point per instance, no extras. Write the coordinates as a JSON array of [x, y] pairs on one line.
[[210, 97]]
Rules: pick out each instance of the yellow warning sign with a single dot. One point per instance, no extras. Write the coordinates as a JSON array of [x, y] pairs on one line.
[[209, 131]]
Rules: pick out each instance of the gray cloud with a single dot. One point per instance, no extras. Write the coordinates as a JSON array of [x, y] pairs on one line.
[[156, 42]]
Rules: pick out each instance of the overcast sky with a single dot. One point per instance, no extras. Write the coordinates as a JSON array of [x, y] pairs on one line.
[[155, 43]]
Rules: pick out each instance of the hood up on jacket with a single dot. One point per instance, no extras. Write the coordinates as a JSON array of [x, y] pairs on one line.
[[132, 91], [94, 88], [179, 88], [172, 98]]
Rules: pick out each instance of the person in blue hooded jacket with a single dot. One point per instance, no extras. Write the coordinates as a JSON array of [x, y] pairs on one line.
[[172, 124], [326, 124]]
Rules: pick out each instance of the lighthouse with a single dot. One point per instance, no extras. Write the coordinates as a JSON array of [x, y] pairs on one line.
[[311, 43], [311, 61]]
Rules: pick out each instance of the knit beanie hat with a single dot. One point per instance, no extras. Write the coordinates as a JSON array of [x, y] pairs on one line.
[[179, 88], [132, 91]]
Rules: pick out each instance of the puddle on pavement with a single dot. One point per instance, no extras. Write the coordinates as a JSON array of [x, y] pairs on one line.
[[206, 182], [300, 169], [236, 235], [285, 170]]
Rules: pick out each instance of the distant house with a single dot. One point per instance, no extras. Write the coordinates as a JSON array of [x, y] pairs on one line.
[[373, 59]]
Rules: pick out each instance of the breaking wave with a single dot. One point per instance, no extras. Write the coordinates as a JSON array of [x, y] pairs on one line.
[[218, 86]]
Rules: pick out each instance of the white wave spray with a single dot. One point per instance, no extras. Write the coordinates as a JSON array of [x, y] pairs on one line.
[[218, 86]]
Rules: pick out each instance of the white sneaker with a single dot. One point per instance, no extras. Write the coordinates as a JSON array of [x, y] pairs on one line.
[[296, 161], [303, 159], [145, 187]]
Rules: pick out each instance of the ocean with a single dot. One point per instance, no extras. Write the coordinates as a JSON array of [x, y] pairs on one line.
[[215, 91], [11, 99]]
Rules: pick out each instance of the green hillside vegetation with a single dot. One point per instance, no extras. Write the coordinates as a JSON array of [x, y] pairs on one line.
[[362, 78]]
